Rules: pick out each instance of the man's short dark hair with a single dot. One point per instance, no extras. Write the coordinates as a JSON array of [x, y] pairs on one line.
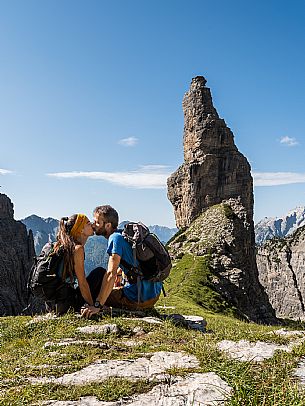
[[109, 213]]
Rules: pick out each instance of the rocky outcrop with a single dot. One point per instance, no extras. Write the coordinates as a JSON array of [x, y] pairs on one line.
[[281, 266], [212, 195], [16, 256], [271, 227], [213, 170], [221, 236]]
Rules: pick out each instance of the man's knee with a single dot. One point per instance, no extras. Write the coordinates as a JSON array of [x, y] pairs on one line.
[[95, 279], [96, 276]]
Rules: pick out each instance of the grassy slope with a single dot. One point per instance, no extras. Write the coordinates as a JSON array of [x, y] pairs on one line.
[[190, 283], [191, 278]]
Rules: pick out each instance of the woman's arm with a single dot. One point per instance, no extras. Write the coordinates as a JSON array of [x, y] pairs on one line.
[[80, 274]]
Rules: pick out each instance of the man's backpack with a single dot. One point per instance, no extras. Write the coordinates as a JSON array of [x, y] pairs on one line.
[[151, 259], [45, 278]]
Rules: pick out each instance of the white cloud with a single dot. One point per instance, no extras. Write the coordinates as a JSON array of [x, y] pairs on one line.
[[5, 171], [146, 177], [128, 142], [290, 142], [277, 178]]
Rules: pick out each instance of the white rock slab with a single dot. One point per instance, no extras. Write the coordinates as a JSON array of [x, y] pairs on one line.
[[66, 342], [83, 401], [99, 329], [42, 318], [193, 318], [165, 307], [243, 350], [150, 320], [192, 322], [196, 389], [138, 331], [286, 333], [299, 372], [132, 343], [141, 368]]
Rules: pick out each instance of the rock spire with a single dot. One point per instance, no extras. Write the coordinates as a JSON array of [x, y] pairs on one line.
[[213, 169]]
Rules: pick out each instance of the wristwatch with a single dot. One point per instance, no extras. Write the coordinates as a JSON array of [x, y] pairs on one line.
[[97, 304]]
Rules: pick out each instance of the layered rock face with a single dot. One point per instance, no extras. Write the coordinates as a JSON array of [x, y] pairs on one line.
[[281, 266], [16, 257], [213, 170]]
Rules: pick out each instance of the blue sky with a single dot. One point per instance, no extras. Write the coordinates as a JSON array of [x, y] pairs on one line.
[[92, 91]]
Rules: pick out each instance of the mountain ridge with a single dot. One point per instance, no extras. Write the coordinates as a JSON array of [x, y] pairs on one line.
[[270, 227]]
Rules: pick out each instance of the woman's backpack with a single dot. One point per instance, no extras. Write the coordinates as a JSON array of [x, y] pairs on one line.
[[46, 273]]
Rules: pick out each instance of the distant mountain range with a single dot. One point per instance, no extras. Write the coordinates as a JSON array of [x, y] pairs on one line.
[[45, 229], [271, 227]]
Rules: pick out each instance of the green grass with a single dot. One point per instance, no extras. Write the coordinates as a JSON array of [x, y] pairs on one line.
[[22, 352], [191, 281], [108, 390]]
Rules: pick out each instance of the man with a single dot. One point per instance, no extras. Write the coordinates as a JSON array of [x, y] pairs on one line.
[[106, 221]]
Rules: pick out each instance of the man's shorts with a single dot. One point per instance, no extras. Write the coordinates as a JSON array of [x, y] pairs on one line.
[[118, 300]]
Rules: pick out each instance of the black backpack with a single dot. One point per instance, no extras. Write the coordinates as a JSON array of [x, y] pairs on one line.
[[45, 278], [154, 263]]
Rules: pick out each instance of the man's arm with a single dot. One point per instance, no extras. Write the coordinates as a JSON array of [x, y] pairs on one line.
[[107, 285]]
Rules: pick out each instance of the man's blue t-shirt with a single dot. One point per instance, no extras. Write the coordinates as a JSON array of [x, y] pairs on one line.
[[149, 290]]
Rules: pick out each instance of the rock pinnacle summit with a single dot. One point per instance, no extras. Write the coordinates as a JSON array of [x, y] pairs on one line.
[[213, 169]]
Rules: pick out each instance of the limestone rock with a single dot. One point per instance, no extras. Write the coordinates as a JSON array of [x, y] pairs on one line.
[[288, 333], [141, 368], [148, 319], [189, 321], [99, 329], [16, 258], [43, 318], [67, 342], [281, 266], [195, 389], [213, 170], [244, 350], [299, 372], [138, 331]]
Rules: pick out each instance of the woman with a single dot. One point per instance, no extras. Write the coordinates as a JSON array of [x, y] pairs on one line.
[[76, 290]]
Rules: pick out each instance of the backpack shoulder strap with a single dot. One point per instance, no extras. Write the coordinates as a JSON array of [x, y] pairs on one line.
[[126, 264]]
